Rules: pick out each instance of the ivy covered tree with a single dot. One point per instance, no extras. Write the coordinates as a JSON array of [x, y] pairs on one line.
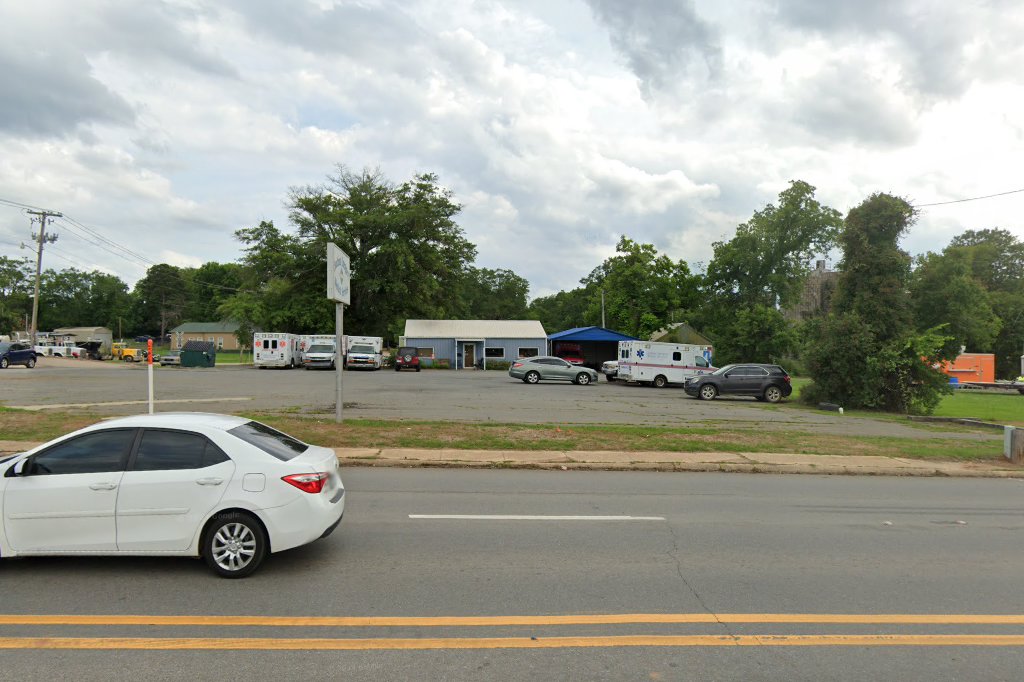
[[867, 352]]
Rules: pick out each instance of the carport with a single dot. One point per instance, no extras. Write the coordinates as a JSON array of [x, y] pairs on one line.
[[596, 343]]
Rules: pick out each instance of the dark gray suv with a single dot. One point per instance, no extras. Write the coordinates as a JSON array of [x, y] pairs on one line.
[[768, 383]]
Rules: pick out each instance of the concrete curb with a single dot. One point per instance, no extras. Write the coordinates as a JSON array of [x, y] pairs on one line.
[[722, 462]]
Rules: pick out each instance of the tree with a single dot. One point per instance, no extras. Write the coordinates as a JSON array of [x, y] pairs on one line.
[[642, 289], [944, 292], [996, 259], [16, 289], [760, 271], [160, 298], [409, 257], [867, 352], [767, 261], [493, 295]]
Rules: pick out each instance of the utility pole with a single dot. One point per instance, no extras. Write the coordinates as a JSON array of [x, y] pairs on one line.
[[602, 308], [42, 239]]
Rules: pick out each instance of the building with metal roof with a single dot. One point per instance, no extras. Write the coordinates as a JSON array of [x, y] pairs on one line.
[[593, 345], [474, 343]]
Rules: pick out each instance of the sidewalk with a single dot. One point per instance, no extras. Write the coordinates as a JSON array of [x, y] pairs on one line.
[[745, 462]]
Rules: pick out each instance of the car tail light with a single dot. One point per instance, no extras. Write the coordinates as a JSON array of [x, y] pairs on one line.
[[307, 483], [517, 364], [786, 379]]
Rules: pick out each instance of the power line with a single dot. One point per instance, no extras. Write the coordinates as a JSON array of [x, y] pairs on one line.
[[960, 201]]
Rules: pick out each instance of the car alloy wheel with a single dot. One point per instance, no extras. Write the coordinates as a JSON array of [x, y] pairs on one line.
[[708, 392], [4, 363], [773, 394], [660, 381], [235, 545], [531, 377], [582, 378], [31, 363]]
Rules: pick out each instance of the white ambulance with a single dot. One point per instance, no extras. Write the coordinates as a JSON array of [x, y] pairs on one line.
[[275, 349], [364, 352], [307, 340], [660, 364]]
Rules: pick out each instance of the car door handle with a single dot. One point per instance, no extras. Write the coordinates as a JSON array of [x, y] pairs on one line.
[[102, 486], [209, 481]]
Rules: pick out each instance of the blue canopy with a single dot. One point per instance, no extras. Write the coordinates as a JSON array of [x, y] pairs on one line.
[[579, 334]]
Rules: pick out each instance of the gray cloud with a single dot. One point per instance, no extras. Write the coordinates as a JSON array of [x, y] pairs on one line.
[[53, 93], [661, 40], [931, 39]]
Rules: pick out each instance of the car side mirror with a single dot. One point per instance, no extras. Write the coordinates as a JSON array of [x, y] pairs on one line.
[[19, 468]]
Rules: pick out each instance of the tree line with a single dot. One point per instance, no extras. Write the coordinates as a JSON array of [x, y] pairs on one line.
[[871, 341]]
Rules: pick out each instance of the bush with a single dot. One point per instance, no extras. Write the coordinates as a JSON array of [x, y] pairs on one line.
[[502, 365]]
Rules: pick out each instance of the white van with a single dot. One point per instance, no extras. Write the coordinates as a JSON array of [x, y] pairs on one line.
[[308, 340], [364, 352], [661, 364], [275, 349], [320, 355]]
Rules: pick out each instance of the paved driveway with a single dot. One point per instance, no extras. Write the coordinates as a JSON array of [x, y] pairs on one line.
[[112, 388]]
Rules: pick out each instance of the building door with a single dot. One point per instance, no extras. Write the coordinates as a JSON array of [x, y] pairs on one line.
[[468, 355]]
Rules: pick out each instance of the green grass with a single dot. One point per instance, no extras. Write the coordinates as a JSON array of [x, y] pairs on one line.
[[1001, 408]]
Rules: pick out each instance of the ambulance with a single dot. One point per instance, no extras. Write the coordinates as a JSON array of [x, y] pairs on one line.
[[658, 364], [275, 349]]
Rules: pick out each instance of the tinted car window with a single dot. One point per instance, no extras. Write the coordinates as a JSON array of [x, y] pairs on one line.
[[168, 450], [88, 454], [270, 441]]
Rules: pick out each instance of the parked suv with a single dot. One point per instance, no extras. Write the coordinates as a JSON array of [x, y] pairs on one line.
[[768, 383], [407, 358], [15, 353]]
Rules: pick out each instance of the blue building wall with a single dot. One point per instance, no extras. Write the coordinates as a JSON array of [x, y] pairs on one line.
[[451, 349]]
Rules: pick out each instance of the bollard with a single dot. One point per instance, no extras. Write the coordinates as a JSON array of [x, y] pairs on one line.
[[1013, 444]]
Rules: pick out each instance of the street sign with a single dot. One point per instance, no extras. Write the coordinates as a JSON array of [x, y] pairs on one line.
[[339, 275]]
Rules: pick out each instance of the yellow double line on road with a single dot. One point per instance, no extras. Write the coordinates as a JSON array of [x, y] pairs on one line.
[[387, 643]]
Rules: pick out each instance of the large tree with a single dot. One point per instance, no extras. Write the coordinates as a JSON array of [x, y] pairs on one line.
[[761, 271], [643, 290], [160, 298], [867, 352]]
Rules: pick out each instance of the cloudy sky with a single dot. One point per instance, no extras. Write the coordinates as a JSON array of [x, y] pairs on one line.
[[165, 126]]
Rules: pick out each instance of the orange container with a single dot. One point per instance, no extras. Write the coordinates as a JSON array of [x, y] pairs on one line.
[[972, 367]]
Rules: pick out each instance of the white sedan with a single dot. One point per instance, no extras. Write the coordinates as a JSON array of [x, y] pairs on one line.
[[225, 488]]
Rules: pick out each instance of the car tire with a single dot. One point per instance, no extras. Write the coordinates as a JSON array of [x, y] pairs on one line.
[[773, 394], [4, 363], [235, 545], [609, 377], [417, 369], [582, 378], [708, 392], [531, 377], [31, 363], [397, 368], [660, 381]]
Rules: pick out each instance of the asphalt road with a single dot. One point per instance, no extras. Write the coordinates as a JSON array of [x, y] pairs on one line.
[[714, 554], [113, 388]]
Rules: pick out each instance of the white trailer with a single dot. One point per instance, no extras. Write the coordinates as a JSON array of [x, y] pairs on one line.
[[275, 349], [660, 364], [364, 352]]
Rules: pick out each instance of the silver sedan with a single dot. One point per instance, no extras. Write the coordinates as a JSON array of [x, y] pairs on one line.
[[532, 370]]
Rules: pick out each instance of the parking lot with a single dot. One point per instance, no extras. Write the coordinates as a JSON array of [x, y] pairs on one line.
[[109, 388]]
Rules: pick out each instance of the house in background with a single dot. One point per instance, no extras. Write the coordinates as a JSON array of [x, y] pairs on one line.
[[472, 343], [220, 334], [680, 332]]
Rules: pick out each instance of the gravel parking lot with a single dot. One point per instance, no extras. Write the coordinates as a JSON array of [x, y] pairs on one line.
[[111, 388]]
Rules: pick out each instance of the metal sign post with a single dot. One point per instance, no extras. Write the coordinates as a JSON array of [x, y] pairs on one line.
[[339, 290], [149, 370]]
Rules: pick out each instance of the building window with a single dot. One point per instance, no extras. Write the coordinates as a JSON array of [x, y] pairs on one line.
[[528, 352], [425, 352], [220, 343], [494, 352]]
